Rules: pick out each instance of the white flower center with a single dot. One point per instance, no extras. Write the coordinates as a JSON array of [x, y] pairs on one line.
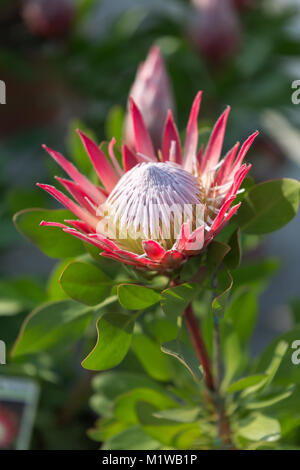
[[151, 201]]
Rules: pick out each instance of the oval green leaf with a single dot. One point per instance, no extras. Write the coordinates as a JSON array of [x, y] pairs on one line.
[[85, 283], [175, 300], [157, 364], [51, 240], [52, 325], [135, 297], [114, 339], [269, 206]]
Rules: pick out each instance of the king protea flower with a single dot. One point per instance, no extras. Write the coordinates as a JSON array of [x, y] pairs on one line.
[[151, 91], [158, 208]]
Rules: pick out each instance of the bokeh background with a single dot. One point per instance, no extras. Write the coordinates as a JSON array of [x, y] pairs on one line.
[[71, 63]]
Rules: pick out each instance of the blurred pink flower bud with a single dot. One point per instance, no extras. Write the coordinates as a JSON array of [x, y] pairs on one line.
[[152, 93], [242, 4], [215, 28], [48, 18]]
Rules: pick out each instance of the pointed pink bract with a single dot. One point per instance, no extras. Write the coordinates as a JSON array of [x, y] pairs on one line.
[[106, 173], [171, 135], [142, 138], [191, 142]]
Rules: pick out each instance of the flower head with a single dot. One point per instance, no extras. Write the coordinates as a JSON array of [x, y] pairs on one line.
[[158, 208], [152, 93]]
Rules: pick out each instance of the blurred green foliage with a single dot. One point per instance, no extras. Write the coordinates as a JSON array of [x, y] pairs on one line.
[[56, 84]]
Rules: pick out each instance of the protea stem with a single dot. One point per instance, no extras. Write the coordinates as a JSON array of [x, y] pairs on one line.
[[213, 386], [199, 345], [224, 425]]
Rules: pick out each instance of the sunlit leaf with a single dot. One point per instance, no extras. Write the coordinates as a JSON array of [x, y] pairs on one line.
[[85, 283], [135, 297], [51, 240], [55, 324], [114, 339], [157, 364], [180, 351], [269, 206]]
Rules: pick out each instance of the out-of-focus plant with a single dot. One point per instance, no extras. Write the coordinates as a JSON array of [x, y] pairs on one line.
[[48, 19], [215, 29], [178, 328]]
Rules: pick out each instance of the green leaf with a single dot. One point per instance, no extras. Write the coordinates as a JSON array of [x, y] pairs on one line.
[[258, 427], [10, 307], [125, 405], [153, 360], [52, 325], [233, 355], [180, 351], [114, 339], [269, 401], [114, 123], [164, 430], [180, 415], [269, 206], [19, 294], [242, 313], [164, 330], [191, 267], [245, 382], [135, 297], [224, 285], [105, 429], [85, 283], [51, 240], [107, 387], [175, 300], [255, 274], [54, 289], [233, 258], [288, 372], [295, 308], [276, 360], [133, 438], [216, 253]]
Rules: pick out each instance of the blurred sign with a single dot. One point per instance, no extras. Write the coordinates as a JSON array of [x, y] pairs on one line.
[[18, 400]]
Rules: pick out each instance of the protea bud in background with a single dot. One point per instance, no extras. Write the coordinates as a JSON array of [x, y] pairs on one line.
[[242, 4], [48, 18], [160, 208], [152, 93], [215, 29]]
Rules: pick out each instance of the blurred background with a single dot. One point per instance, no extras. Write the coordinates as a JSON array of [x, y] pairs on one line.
[[69, 64]]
